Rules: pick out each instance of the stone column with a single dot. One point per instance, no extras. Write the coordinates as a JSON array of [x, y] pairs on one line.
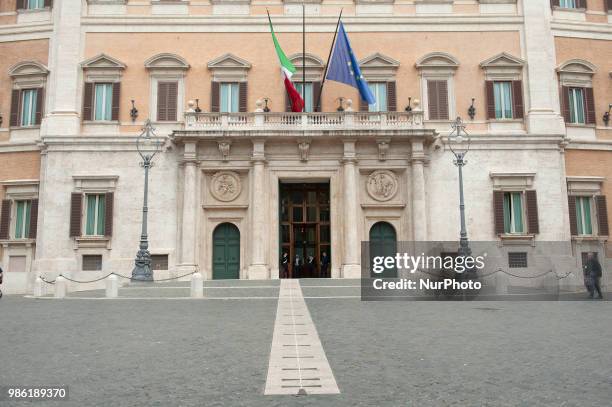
[[258, 269], [190, 207], [419, 202], [542, 88], [63, 88], [351, 264]]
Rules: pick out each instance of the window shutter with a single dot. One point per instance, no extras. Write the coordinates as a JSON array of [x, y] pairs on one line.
[[162, 100], [443, 100], [391, 97], [533, 224], [49, 3], [316, 91], [571, 203], [517, 99], [287, 103], [15, 105], [172, 102], [554, 3], [363, 105], [581, 4], [565, 104], [589, 106], [498, 211], [602, 215], [432, 100], [490, 100], [5, 219], [39, 105], [88, 100], [108, 214], [116, 96], [33, 219], [76, 204], [20, 4], [242, 97], [608, 5], [214, 97]]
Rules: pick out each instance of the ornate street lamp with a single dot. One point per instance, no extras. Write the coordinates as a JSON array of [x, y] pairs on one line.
[[147, 148], [459, 144]]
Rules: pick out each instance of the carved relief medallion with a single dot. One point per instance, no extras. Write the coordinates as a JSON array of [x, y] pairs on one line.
[[225, 186], [382, 185]]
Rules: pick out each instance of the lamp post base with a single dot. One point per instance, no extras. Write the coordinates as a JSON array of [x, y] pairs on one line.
[[142, 268]]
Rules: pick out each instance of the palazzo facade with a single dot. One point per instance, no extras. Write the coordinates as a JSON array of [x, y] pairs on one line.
[[238, 181]]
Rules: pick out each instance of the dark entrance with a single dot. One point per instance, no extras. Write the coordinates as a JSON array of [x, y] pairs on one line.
[[383, 242], [304, 228], [226, 252]]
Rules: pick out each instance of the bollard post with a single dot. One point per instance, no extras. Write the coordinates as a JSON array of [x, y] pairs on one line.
[[501, 283], [112, 286], [60, 287], [38, 287], [197, 286]]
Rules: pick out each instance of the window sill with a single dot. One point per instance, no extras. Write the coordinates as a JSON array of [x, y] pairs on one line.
[[36, 126], [32, 10], [589, 238], [580, 125], [95, 242], [18, 242], [504, 121], [102, 122], [517, 239]]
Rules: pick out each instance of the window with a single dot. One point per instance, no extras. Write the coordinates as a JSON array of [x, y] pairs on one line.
[[92, 262], [230, 97], [167, 93], [308, 97], [379, 89], [513, 212], [34, 4], [28, 107], [95, 210], [576, 105], [22, 219], [437, 99], [159, 262], [502, 92], [103, 101], [567, 3], [517, 259], [584, 220]]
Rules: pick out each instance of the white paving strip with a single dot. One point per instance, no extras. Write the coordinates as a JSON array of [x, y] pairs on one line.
[[297, 359]]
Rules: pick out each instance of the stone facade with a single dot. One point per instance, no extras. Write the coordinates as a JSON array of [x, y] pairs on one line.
[[214, 168]]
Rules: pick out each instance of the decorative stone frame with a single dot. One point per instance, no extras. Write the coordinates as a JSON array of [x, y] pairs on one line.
[[17, 190], [102, 68], [93, 184], [379, 68], [231, 7], [314, 67], [576, 72], [167, 67], [28, 74], [591, 187], [503, 67], [229, 68], [514, 182], [438, 66]]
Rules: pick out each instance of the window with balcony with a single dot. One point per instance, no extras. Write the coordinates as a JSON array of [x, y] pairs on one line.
[[229, 90], [307, 94], [379, 90], [380, 72], [230, 97]]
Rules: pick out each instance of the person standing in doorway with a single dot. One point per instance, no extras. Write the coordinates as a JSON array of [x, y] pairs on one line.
[[297, 266], [592, 271], [285, 265], [324, 265]]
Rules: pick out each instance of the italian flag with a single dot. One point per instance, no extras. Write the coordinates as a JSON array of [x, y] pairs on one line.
[[287, 68]]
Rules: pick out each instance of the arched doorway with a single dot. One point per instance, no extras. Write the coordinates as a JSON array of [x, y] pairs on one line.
[[383, 242], [226, 252]]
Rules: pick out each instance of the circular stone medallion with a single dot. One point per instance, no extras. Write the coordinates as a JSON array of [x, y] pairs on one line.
[[382, 185], [225, 186]]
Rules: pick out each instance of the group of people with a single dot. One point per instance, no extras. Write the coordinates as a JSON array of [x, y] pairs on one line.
[[304, 267]]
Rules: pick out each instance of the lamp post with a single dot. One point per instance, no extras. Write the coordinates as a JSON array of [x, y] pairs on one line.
[[142, 267], [459, 144]]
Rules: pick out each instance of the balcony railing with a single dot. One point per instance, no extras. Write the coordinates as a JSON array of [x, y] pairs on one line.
[[303, 121]]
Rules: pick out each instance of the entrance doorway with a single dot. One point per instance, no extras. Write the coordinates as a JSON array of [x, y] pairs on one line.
[[383, 242], [305, 229], [226, 252]]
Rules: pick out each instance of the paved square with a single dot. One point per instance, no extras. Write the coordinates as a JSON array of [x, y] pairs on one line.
[[215, 352]]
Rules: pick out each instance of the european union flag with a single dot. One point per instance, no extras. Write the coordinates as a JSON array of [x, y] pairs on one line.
[[344, 67]]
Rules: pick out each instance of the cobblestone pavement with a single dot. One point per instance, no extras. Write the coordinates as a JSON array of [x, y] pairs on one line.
[[172, 352]]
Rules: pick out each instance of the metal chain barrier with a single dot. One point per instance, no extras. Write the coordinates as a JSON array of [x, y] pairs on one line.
[[508, 273], [118, 275]]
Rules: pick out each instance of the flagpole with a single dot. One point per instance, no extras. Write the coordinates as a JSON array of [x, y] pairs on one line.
[[304, 55], [331, 49]]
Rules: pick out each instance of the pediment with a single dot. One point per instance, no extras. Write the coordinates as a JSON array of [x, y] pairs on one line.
[[437, 60], [102, 61], [28, 68], [577, 66], [503, 60], [378, 60], [312, 61], [166, 61], [229, 61]]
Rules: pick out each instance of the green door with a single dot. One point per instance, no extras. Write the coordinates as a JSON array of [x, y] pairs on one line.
[[383, 242], [226, 252]]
